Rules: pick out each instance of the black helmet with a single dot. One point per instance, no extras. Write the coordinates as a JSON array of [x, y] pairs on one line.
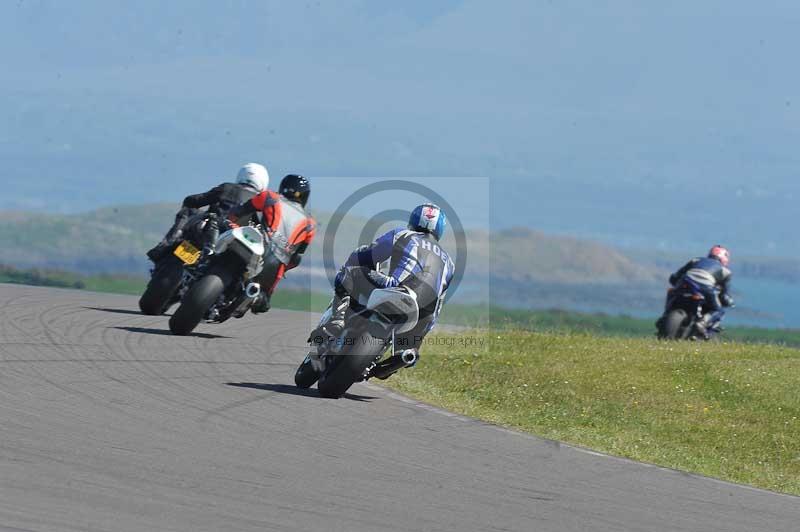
[[295, 187]]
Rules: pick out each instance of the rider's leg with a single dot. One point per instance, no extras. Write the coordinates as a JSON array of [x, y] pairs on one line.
[[268, 279], [172, 235], [348, 283], [210, 234], [713, 312]]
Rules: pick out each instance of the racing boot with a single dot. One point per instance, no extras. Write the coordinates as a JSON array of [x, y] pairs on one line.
[[157, 251], [261, 304], [702, 327], [174, 233], [334, 326], [211, 234]]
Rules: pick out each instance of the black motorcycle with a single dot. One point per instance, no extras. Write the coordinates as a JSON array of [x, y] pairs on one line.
[[166, 277], [684, 310], [335, 364]]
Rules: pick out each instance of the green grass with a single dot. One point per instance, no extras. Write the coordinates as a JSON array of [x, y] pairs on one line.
[[730, 411], [555, 320], [293, 299], [127, 284], [117, 284]]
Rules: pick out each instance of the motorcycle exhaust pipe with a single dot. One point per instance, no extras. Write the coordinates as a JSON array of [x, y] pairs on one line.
[[252, 290], [409, 357]]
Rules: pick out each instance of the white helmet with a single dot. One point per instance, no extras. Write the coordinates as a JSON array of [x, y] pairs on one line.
[[253, 175]]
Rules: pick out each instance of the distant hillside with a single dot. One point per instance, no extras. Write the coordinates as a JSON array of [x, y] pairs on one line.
[[115, 239], [101, 241], [513, 268]]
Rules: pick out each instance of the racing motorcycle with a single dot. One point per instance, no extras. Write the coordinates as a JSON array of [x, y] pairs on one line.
[[684, 309], [163, 289], [217, 286], [209, 286], [335, 364]]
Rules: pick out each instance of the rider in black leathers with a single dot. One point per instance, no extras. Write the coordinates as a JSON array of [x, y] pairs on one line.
[[252, 179]]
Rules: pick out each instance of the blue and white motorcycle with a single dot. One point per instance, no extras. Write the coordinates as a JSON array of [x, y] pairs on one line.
[[356, 355]]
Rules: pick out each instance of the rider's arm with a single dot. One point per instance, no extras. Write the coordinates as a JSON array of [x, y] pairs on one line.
[[195, 201], [677, 276], [305, 237], [725, 296], [372, 255], [245, 210]]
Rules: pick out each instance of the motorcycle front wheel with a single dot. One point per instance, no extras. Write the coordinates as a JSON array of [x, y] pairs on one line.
[[306, 374]]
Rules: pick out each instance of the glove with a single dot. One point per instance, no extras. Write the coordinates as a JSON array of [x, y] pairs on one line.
[[727, 301]]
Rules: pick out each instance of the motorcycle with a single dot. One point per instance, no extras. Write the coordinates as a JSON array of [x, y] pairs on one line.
[[335, 364], [219, 285], [167, 275], [684, 309]]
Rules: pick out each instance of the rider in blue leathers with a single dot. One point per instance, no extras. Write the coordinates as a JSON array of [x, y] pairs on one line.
[[416, 261]]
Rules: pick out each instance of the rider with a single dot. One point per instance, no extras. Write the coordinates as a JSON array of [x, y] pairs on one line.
[[252, 179], [416, 261], [712, 277], [289, 227]]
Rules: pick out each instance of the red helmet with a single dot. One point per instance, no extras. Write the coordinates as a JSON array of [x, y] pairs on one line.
[[720, 253]]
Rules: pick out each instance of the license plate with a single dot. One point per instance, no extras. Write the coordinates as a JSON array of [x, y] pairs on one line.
[[187, 252]]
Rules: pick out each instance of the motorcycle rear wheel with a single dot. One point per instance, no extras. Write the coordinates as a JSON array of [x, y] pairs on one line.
[[673, 328], [196, 303], [349, 366]]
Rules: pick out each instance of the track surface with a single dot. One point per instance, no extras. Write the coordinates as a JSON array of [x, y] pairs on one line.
[[107, 423]]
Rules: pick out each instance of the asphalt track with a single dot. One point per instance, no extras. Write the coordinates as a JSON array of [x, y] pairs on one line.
[[109, 424]]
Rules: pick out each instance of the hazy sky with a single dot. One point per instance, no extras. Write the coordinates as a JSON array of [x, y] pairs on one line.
[[605, 118]]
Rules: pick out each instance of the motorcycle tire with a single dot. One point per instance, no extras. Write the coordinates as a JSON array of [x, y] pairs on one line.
[[306, 375], [161, 289], [673, 328], [349, 366], [196, 302]]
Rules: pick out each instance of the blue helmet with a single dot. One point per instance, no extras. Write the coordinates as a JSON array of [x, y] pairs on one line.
[[428, 218]]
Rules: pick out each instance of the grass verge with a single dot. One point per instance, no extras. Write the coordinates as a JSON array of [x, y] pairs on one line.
[[564, 321], [730, 411]]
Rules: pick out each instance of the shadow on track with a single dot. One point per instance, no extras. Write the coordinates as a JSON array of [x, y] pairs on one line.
[[117, 310], [166, 332], [294, 390]]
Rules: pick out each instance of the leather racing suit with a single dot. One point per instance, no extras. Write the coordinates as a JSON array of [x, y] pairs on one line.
[[219, 201], [416, 261], [713, 280], [290, 230]]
